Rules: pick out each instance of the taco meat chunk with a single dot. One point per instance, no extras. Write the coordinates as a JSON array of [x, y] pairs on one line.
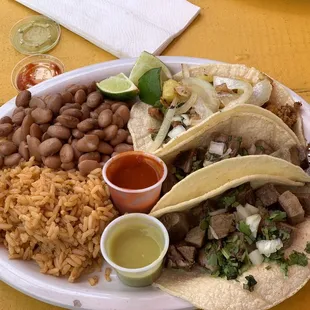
[[169, 182], [184, 161], [299, 156], [304, 199], [246, 195], [290, 203], [221, 225], [287, 113], [188, 252], [289, 230], [268, 195], [176, 224], [176, 260], [196, 237]]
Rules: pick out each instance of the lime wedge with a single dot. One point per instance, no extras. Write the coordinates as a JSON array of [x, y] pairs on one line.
[[144, 63], [118, 87], [150, 86]]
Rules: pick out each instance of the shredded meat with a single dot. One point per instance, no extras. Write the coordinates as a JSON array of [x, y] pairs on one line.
[[156, 113], [287, 113], [223, 89]]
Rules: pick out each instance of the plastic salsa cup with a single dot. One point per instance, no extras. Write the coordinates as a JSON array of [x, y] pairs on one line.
[[136, 277], [35, 69], [135, 180]]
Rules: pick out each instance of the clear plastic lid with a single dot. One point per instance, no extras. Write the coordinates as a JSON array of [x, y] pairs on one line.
[[35, 34], [35, 69]]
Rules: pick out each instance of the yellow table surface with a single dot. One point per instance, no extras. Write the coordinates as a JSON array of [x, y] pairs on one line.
[[272, 35]]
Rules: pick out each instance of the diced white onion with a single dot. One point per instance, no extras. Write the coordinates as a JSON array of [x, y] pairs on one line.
[[213, 233], [176, 131], [242, 212], [235, 84], [253, 222], [267, 247], [256, 258], [229, 150], [251, 209], [186, 121], [177, 119], [217, 148], [207, 163], [187, 105], [261, 93], [217, 212], [165, 126]]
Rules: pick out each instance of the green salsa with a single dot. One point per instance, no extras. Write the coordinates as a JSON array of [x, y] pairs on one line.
[[134, 247]]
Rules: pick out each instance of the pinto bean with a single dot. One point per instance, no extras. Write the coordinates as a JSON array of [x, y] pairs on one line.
[[102, 107], [35, 131], [45, 136], [87, 125], [77, 153], [105, 148], [68, 121], [121, 136], [33, 147], [110, 132], [90, 156], [129, 140], [91, 87], [88, 143], [42, 116], [86, 111], [87, 166], [7, 148], [18, 117], [44, 127], [94, 99], [123, 147], [115, 106], [80, 96], [105, 118], [67, 97], [73, 88], [105, 158], [94, 115], [29, 110], [6, 120], [37, 102], [68, 106], [60, 132], [5, 129], [54, 103], [23, 98], [50, 147], [118, 121], [73, 112], [17, 136], [23, 150], [25, 127], [52, 162], [124, 113], [114, 154], [16, 110], [67, 166], [12, 160], [98, 132], [66, 153], [76, 133]]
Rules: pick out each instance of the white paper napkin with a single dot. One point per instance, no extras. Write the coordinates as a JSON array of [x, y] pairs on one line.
[[124, 28]]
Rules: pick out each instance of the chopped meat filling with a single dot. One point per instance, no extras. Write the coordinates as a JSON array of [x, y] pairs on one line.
[[156, 113], [196, 237], [287, 113], [221, 225], [292, 207], [267, 194]]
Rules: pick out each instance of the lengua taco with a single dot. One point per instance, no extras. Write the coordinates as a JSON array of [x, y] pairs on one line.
[[245, 244], [192, 96]]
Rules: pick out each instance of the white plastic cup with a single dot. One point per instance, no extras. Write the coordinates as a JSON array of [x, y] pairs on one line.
[[134, 200], [136, 277]]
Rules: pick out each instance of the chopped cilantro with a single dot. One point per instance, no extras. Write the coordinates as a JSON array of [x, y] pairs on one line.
[[260, 147], [204, 224], [228, 200], [284, 267], [297, 258], [212, 259], [179, 177], [307, 249], [278, 257], [231, 272], [239, 139], [268, 267], [235, 204], [244, 228], [277, 216], [251, 282]]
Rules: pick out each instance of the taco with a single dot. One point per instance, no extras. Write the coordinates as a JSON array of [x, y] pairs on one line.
[[245, 244], [197, 93], [237, 132]]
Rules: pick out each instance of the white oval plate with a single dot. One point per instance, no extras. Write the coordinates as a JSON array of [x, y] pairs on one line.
[[25, 276]]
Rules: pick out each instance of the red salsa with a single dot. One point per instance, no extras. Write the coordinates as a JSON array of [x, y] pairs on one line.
[[134, 172], [35, 73]]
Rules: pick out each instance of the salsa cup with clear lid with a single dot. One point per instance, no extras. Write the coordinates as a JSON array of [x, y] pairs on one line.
[[35, 69]]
